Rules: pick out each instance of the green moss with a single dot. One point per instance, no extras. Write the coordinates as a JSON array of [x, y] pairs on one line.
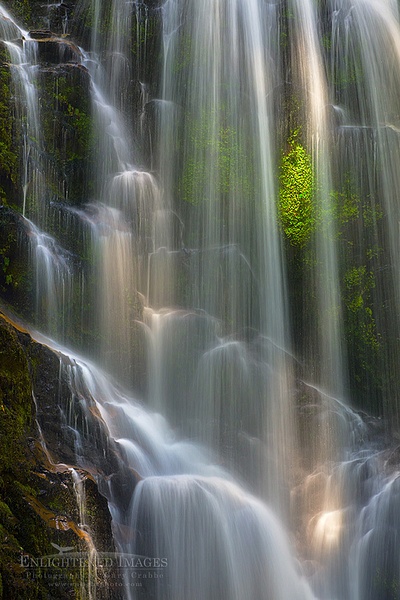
[[13, 271], [15, 421], [87, 16], [296, 193], [348, 207], [327, 41], [15, 397], [361, 327], [68, 137], [347, 69], [355, 213], [8, 156], [6, 516], [22, 10], [77, 120], [22, 531]]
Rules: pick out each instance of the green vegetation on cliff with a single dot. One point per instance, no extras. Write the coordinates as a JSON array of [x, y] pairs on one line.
[[18, 532], [38, 504], [8, 156], [360, 258], [22, 9], [296, 192]]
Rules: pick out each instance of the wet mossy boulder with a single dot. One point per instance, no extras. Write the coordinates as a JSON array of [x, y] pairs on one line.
[[39, 507], [21, 530], [16, 406], [55, 403]]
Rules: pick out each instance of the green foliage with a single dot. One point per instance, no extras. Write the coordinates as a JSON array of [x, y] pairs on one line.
[[22, 10], [15, 396], [359, 261], [8, 157], [67, 131], [361, 326], [296, 193], [349, 207], [13, 269]]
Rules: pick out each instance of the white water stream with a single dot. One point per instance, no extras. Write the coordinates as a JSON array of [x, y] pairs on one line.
[[243, 493]]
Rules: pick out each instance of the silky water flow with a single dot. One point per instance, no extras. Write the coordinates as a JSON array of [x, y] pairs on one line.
[[239, 490]]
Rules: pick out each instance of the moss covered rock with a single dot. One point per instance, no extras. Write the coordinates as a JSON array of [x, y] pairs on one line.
[[39, 507]]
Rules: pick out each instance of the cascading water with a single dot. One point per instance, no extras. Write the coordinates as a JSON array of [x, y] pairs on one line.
[[187, 277], [217, 540], [368, 137], [51, 264], [222, 129], [314, 86]]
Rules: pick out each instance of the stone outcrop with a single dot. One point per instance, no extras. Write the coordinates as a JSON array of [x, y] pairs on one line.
[[38, 501], [53, 49]]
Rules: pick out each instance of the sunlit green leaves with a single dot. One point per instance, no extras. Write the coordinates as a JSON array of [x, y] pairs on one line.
[[296, 193]]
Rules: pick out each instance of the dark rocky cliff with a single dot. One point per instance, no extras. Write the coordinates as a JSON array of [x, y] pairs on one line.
[[38, 502]]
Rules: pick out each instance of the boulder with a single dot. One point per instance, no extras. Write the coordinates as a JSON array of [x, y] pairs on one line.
[[39, 502]]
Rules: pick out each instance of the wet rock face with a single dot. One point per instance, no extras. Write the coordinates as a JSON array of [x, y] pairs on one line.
[[60, 165], [9, 154], [66, 146], [39, 507], [80, 440], [15, 275], [42, 15], [41, 34], [68, 138], [54, 50], [32, 370]]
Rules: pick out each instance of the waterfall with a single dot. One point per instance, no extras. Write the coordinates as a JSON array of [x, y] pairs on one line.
[[222, 125], [369, 127], [312, 80], [220, 241], [182, 497]]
